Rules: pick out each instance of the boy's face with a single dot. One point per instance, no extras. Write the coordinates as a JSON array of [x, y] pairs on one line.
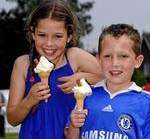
[[118, 59]]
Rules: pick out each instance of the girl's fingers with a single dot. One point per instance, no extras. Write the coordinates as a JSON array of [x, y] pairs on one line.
[[44, 97], [65, 85], [39, 87], [44, 92], [64, 79], [67, 90]]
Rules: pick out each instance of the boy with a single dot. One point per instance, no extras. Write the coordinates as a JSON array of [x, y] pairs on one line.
[[118, 108]]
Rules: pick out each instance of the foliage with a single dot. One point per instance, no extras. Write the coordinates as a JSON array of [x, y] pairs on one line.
[[11, 136], [12, 35], [139, 78]]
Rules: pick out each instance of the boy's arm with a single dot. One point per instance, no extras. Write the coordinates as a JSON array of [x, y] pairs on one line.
[[77, 120], [72, 133]]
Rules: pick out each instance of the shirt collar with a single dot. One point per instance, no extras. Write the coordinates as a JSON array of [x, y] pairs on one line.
[[133, 87]]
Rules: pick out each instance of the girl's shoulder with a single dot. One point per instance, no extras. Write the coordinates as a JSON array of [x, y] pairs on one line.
[[75, 56], [76, 51], [22, 64], [22, 60], [78, 54]]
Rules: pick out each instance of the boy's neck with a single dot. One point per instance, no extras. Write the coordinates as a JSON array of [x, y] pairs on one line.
[[113, 88]]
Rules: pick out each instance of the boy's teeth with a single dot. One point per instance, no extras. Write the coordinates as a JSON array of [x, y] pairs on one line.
[[115, 72]]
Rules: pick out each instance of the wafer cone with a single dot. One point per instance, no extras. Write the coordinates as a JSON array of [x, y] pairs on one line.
[[79, 100], [44, 78]]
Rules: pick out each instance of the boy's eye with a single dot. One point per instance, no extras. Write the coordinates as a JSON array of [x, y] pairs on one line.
[[107, 56], [124, 56]]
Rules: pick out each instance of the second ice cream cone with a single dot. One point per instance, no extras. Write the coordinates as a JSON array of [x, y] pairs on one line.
[[80, 92], [80, 101]]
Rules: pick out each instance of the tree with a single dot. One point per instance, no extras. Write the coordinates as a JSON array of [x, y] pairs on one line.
[[12, 35]]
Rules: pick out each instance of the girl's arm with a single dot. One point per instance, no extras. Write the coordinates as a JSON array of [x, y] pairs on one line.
[[19, 106], [84, 65]]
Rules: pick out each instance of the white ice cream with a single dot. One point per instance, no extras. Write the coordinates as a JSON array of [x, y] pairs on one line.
[[84, 88], [44, 65]]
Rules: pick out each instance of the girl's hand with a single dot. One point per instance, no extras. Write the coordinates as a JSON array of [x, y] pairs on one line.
[[68, 82], [78, 118], [39, 91]]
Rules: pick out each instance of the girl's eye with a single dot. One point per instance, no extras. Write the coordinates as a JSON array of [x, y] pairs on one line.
[[41, 35], [59, 36]]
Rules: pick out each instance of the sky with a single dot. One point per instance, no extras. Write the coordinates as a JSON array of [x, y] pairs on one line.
[[106, 12], [6, 5]]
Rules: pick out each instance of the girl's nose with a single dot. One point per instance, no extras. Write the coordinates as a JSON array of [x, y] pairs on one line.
[[49, 42]]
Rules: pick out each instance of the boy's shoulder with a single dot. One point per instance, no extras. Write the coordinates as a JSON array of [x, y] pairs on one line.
[[146, 94], [99, 87]]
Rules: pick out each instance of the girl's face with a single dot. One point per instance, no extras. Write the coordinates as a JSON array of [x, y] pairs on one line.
[[118, 59], [50, 39]]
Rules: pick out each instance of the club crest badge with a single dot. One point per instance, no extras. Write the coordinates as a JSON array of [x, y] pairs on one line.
[[125, 122]]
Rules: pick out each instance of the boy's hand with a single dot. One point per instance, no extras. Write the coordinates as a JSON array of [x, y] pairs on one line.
[[78, 118]]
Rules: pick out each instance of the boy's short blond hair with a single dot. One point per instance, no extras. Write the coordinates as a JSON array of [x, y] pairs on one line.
[[118, 30]]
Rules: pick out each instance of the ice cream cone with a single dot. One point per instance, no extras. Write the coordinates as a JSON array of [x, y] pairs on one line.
[[43, 69], [79, 100], [80, 92], [44, 76]]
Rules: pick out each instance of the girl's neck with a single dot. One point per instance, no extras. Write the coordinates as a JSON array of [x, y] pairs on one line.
[[114, 87], [59, 61]]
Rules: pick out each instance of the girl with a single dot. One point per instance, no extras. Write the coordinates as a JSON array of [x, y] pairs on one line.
[[51, 29]]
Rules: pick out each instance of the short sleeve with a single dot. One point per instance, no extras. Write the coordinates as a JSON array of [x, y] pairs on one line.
[[146, 128]]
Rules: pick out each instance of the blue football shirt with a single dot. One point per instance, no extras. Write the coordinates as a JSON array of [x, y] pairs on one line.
[[124, 115]]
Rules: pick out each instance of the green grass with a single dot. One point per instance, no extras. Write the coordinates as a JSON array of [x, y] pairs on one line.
[[10, 136]]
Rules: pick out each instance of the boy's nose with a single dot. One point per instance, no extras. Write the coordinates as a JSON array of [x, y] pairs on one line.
[[115, 61]]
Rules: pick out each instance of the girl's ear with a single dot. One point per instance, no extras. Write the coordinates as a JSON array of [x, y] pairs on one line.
[[139, 61], [32, 33], [69, 38], [33, 36]]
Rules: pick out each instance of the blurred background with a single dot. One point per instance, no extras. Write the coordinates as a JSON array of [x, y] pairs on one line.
[[93, 16]]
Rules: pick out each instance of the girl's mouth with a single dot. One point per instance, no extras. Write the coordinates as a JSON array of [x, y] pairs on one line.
[[50, 51]]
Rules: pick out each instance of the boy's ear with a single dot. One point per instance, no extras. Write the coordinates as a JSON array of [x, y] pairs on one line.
[[97, 57], [139, 61]]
